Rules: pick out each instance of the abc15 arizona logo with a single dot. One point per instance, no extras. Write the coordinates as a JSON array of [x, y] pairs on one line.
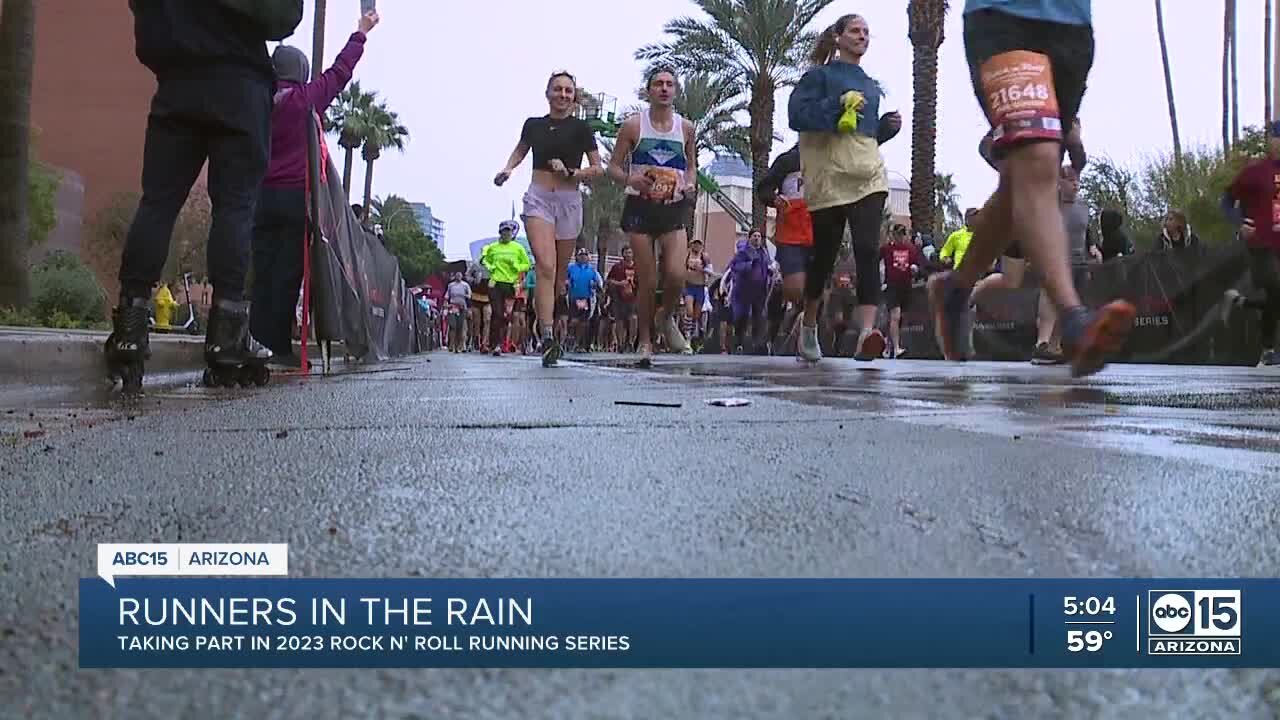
[[1193, 622]]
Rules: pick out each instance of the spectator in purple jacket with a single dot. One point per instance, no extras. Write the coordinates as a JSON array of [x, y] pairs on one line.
[[751, 268], [280, 217]]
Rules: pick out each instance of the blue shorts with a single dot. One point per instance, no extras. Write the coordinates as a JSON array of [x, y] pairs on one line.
[[794, 259], [697, 292]]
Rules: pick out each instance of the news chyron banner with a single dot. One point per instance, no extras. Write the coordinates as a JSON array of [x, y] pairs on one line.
[[232, 606]]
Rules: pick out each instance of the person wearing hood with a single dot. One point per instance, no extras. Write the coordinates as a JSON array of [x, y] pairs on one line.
[[751, 269], [280, 217], [1115, 241], [1176, 233], [212, 104]]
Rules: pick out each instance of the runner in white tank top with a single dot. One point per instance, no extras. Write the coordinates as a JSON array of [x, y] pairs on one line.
[[661, 189]]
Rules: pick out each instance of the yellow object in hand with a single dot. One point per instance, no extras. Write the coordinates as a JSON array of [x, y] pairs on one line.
[[853, 102]]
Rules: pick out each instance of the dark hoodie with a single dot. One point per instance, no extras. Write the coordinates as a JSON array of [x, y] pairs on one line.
[[1115, 241], [176, 37], [297, 100]]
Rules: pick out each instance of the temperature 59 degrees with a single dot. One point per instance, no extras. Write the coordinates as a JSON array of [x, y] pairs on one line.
[[1086, 640]]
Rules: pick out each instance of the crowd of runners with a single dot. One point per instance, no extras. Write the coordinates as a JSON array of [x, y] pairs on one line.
[[1029, 62]]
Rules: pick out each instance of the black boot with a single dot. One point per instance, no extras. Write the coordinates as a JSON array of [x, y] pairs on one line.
[[128, 346]]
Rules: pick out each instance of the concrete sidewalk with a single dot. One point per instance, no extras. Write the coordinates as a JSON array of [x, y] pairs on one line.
[[45, 356], [50, 357]]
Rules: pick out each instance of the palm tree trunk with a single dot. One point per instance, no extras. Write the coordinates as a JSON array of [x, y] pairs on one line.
[[1267, 95], [368, 187], [925, 42], [17, 51], [1226, 77], [346, 171], [317, 40], [1235, 75], [761, 109], [1168, 84]]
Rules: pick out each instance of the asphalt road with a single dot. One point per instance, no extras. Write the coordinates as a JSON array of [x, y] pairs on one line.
[[475, 466]]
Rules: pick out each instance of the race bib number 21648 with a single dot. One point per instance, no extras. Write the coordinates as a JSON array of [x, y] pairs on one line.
[[1022, 102]]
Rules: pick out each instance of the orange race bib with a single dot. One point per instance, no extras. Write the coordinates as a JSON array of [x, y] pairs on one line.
[[1275, 203], [1022, 102], [665, 181]]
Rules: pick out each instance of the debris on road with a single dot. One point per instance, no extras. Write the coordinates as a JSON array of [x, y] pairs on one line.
[[729, 402], [638, 403]]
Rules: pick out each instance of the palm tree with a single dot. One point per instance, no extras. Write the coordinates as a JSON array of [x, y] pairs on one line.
[[317, 40], [1235, 75], [383, 132], [349, 118], [946, 202], [1267, 31], [758, 46], [926, 20], [1168, 83], [17, 50], [1226, 77]]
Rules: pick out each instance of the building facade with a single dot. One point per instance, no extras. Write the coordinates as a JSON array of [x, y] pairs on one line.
[[88, 125], [430, 223]]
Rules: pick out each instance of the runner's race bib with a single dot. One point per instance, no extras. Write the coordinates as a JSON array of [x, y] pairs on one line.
[[582, 304], [665, 182], [1021, 100]]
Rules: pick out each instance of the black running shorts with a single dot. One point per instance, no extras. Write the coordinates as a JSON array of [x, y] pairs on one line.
[[645, 217], [1029, 75]]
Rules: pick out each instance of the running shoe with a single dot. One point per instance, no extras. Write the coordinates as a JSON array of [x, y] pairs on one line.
[[1089, 337], [808, 348], [551, 352], [1045, 355], [870, 347], [675, 339], [952, 317]]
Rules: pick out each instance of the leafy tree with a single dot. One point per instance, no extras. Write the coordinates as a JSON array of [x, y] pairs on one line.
[[948, 217], [42, 190], [417, 252], [1147, 192]]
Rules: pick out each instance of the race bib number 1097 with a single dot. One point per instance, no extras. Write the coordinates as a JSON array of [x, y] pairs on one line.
[[1022, 102]]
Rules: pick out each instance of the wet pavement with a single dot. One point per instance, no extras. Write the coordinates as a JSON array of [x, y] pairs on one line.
[[482, 467]]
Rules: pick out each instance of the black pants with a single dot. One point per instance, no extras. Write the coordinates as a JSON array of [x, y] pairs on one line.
[[222, 116], [499, 294], [278, 231], [864, 219], [1264, 267]]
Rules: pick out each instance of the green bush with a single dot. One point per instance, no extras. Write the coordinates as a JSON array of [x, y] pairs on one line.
[[65, 292], [13, 317]]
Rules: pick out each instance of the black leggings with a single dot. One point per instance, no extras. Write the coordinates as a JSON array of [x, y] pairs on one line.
[[864, 219], [499, 293], [1264, 266]]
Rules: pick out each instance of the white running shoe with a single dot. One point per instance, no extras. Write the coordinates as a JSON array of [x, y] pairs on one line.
[[809, 349]]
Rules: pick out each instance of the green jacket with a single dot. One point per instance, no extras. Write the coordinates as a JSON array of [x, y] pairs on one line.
[[505, 261]]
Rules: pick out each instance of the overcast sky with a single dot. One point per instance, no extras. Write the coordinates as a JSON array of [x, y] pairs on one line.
[[465, 75]]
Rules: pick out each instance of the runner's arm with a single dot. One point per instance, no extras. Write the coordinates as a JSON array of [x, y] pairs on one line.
[[810, 109], [771, 184], [691, 158], [519, 153], [1075, 148], [321, 92]]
